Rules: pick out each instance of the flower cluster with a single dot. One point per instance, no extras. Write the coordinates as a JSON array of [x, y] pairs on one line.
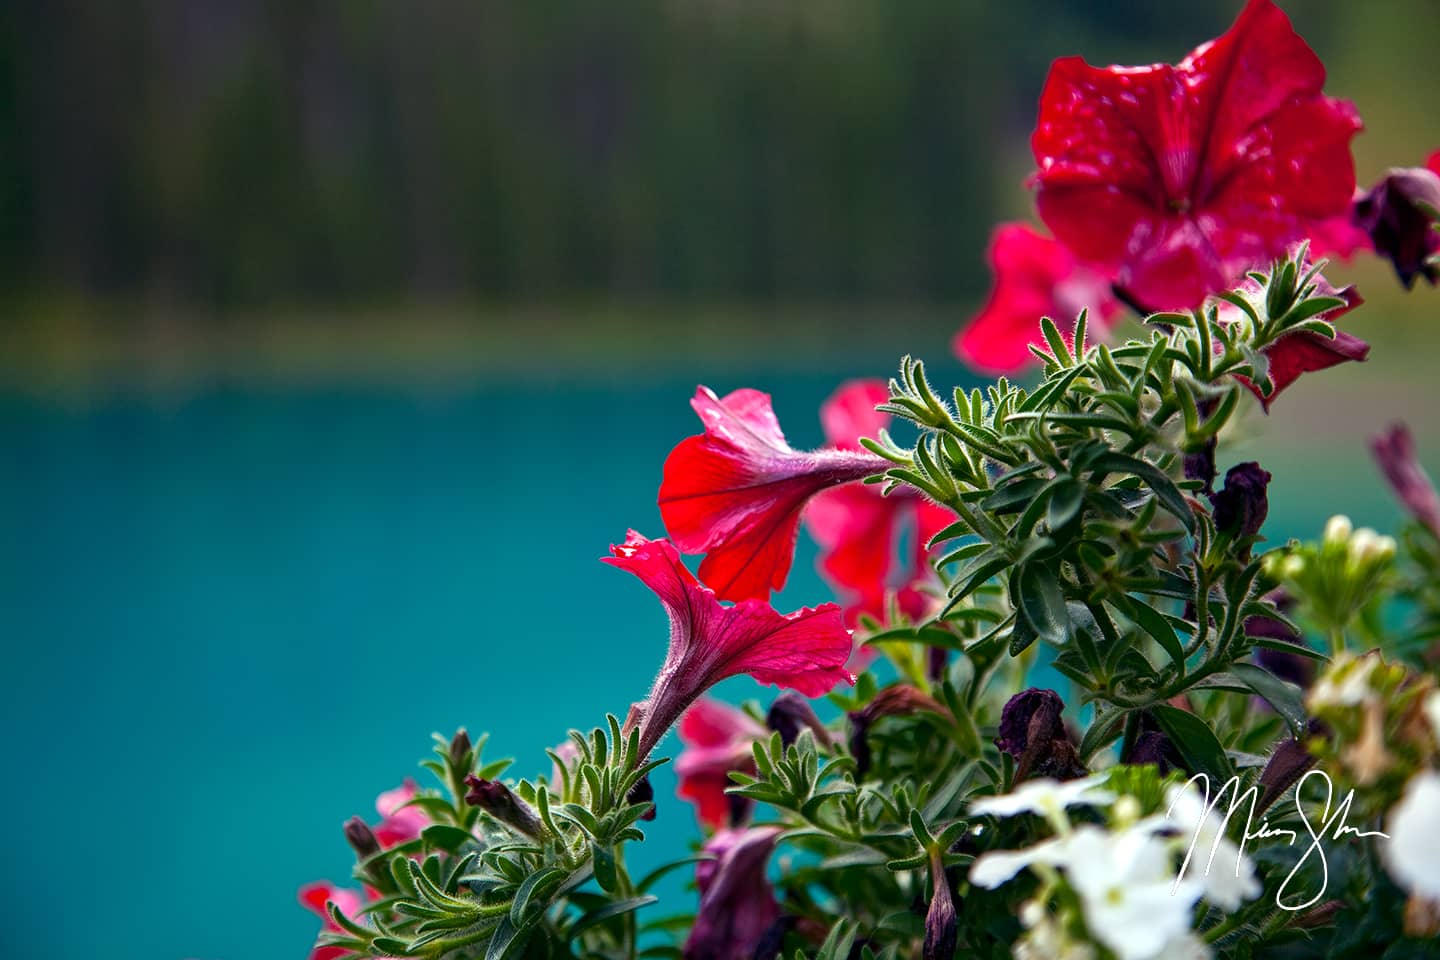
[[938, 802]]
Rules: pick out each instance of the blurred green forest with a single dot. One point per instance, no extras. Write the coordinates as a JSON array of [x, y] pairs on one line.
[[243, 153]]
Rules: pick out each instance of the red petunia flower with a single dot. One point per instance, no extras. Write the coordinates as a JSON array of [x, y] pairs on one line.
[[1035, 277], [1180, 178], [1300, 351], [314, 897], [718, 739], [805, 650], [858, 528], [399, 823], [737, 902], [735, 493]]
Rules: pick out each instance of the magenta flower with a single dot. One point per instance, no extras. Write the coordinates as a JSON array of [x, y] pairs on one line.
[[1395, 452], [736, 491], [399, 823], [1035, 276], [737, 902], [314, 897], [805, 650], [1398, 215], [1177, 179], [858, 528], [717, 739]]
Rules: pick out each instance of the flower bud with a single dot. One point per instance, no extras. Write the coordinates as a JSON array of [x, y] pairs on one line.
[[791, 713], [361, 838], [1241, 506], [892, 701], [495, 798], [1286, 765], [1032, 731], [1395, 452], [1398, 213], [460, 748], [643, 792], [1338, 529], [940, 928]]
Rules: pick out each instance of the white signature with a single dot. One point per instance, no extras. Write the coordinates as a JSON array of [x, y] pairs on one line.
[[1332, 827]]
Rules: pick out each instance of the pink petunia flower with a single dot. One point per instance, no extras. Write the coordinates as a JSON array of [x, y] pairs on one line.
[[314, 897], [858, 528], [736, 491], [718, 739], [737, 902], [399, 823], [805, 650], [1035, 277], [1180, 178]]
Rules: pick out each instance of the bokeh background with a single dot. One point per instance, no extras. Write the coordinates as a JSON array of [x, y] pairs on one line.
[[340, 339]]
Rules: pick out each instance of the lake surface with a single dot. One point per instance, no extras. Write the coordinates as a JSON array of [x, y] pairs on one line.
[[234, 614]]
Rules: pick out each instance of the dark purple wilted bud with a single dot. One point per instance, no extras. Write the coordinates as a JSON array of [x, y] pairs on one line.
[[1397, 213], [361, 838], [1032, 731], [737, 903], [773, 939], [460, 748], [1154, 747], [643, 792], [791, 713], [495, 798], [1395, 452], [893, 701], [1241, 506], [936, 663], [940, 929], [1286, 765], [1201, 466]]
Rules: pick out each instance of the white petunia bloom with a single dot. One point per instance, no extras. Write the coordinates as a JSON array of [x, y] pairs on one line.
[[1432, 713], [1188, 947], [1127, 886], [1349, 690], [1413, 851], [1227, 876], [1046, 797], [998, 866], [1045, 937]]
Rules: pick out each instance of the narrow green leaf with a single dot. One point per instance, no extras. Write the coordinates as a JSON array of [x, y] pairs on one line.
[[1197, 743], [1286, 698]]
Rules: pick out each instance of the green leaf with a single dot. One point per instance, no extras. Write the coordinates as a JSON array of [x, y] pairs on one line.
[[604, 860], [1165, 489], [1285, 697], [1156, 625], [1065, 502], [1042, 601], [442, 836], [536, 886], [504, 941], [654, 876], [609, 911], [1196, 742]]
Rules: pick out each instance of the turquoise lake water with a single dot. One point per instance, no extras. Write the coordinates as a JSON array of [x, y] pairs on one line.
[[235, 615]]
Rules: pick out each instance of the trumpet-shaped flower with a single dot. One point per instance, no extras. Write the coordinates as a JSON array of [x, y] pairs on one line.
[[858, 528], [737, 903], [735, 492], [805, 650], [1180, 178], [1131, 899], [1035, 276], [1045, 797], [717, 739], [1226, 875], [1413, 851], [314, 897], [1395, 452], [399, 823], [1398, 215]]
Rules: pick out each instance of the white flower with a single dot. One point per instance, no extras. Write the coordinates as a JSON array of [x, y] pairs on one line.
[[1338, 529], [1188, 947], [1046, 938], [1127, 886], [1227, 876], [1413, 851], [1352, 686], [1432, 711], [1046, 797], [996, 867]]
